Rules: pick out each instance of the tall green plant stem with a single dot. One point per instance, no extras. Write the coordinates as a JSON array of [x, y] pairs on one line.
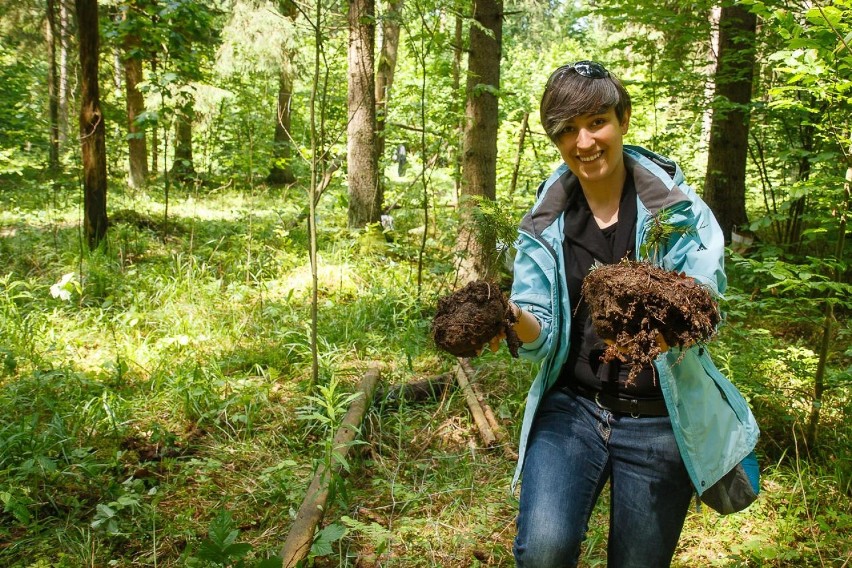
[[312, 219], [421, 56], [828, 317]]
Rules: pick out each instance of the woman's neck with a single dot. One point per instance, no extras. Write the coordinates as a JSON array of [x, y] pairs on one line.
[[603, 199]]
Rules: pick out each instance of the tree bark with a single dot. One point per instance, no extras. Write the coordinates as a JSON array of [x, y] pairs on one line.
[[92, 130], [182, 167], [365, 199], [496, 428], [301, 535], [52, 37], [479, 158], [281, 172], [724, 184], [155, 136], [136, 140], [64, 48], [384, 75], [458, 57]]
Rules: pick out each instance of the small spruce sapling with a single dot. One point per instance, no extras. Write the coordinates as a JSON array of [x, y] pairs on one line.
[[658, 231]]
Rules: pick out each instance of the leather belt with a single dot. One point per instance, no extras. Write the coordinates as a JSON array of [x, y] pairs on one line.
[[632, 406]]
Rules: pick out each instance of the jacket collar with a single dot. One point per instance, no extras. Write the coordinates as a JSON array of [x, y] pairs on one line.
[[653, 176]]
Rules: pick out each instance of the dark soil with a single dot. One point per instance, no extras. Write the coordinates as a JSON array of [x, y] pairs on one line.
[[630, 302], [470, 317]]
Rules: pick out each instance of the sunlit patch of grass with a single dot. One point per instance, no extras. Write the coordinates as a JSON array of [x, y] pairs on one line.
[[336, 280]]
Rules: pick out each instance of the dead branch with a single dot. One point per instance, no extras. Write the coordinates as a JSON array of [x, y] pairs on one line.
[[485, 431], [496, 427]]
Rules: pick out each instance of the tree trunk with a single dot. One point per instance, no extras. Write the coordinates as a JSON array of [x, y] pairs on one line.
[[479, 159], [52, 37], [384, 75], [458, 56], [183, 169], [155, 135], [724, 184], [136, 142], [92, 131], [64, 48], [365, 199], [281, 172]]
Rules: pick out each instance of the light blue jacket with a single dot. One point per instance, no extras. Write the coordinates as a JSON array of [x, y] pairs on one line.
[[712, 422]]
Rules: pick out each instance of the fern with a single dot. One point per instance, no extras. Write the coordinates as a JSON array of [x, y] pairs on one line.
[[375, 533]]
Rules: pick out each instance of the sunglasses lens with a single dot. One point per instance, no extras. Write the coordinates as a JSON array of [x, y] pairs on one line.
[[590, 69]]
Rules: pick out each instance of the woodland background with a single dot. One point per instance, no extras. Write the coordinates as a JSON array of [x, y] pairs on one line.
[[194, 271]]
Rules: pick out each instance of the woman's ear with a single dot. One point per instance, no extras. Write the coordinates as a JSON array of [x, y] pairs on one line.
[[625, 122]]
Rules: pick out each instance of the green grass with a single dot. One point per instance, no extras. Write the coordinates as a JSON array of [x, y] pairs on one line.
[[169, 388]]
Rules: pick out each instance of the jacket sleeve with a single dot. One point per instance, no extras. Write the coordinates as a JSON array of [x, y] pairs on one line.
[[700, 252], [531, 290]]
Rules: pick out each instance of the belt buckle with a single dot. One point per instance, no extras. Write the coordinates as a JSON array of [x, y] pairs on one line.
[[634, 408]]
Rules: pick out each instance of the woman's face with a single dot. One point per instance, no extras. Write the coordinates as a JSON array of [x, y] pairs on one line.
[[591, 146]]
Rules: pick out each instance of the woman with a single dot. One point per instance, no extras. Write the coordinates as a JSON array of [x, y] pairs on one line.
[[677, 428]]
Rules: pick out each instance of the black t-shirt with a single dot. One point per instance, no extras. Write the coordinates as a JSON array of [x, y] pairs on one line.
[[585, 245]]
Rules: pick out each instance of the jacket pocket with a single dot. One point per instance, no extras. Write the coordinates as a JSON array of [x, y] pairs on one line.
[[729, 392]]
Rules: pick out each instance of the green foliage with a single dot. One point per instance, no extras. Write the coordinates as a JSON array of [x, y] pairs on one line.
[[492, 217], [221, 547], [21, 116], [325, 538], [121, 516], [658, 231], [378, 536], [795, 280]]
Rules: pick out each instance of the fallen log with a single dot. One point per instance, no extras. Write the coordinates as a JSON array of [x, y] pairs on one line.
[[423, 390], [301, 535], [485, 431], [496, 428]]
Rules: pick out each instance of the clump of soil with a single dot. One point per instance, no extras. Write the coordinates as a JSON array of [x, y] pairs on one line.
[[631, 302], [470, 317]]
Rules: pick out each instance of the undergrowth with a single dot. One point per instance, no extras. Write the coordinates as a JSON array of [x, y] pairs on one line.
[[154, 411]]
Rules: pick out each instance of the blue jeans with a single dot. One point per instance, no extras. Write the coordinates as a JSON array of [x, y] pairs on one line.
[[574, 447]]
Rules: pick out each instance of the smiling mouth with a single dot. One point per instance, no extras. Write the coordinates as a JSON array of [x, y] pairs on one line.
[[591, 158]]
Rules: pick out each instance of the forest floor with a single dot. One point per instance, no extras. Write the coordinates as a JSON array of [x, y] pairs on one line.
[[155, 407]]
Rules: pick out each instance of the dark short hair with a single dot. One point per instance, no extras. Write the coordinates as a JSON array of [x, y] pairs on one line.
[[569, 94]]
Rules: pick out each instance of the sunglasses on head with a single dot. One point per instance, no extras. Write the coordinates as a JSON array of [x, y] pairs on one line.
[[590, 69]]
